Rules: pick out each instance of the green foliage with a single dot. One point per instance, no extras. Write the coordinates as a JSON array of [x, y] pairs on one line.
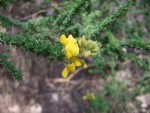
[[5, 3], [90, 23], [114, 48], [105, 23], [10, 67], [114, 97], [7, 22], [143, 85], [66, 19], [38, 28], [136, 42], [99, 104], [117, 95], [39, 47], [140, 63]]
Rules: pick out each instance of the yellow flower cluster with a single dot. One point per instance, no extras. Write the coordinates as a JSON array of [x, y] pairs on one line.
[[73, 50]]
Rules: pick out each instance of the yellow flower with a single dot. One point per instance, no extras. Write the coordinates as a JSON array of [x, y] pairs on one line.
[[63, 40], [71, 46], [77, 62], [70, 40], [67, 69], [68, 55], [73, 49]]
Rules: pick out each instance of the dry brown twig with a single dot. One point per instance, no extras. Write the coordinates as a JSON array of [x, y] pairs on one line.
[[34, 15]]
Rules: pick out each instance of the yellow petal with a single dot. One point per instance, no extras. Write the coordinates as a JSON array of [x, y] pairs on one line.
[[72, 40], [65, 72], [71, 67], [68, 55], [76, 61], [68, 48], [63, 40], [75, 50]]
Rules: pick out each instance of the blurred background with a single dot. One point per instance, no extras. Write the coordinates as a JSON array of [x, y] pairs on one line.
[[117, 87]]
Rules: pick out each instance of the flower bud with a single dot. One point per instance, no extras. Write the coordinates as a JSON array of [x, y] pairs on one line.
[[91, 44], [93, 53], [83, 41], [95, 49], [86, 53], [84, 65], [79, 42]]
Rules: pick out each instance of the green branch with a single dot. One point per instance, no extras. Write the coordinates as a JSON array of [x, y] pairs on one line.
[[113, 47], [137, 43], [39, 47], [104, 24], [10, 67], [7, 22], [31, 24], [67, 15], [66, 19]]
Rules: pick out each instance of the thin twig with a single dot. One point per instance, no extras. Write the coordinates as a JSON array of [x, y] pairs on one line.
[[77, 71], [33, 15]]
